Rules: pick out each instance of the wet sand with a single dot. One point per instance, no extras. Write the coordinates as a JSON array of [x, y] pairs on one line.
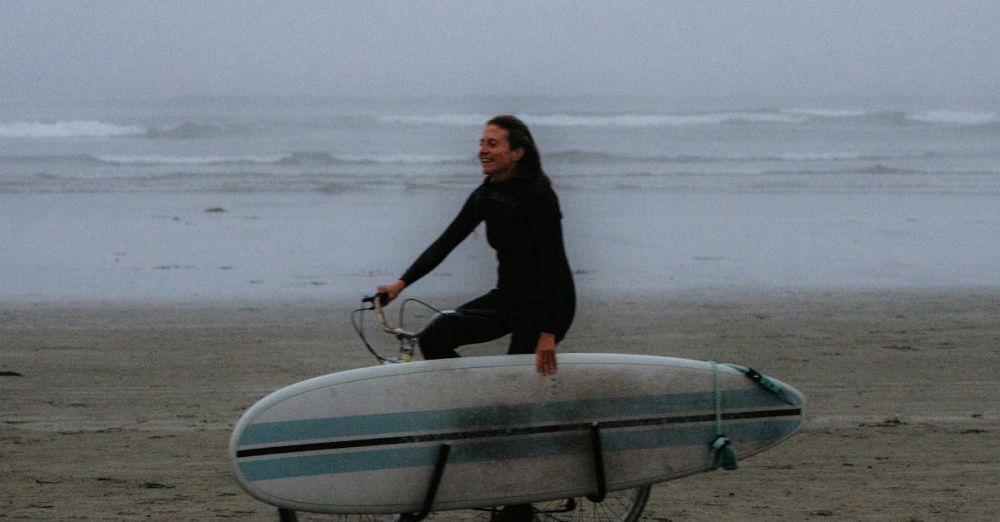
[[121, 412]]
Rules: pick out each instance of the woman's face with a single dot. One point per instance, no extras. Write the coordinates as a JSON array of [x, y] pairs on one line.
[[498, 160]]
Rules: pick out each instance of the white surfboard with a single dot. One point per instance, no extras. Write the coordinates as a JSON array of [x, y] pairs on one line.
[[369, 440]]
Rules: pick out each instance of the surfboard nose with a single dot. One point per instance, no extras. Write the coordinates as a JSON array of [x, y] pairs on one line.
[[790, 394], [782, 390]]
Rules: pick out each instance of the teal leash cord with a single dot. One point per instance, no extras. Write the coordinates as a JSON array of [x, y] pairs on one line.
[[722, 452]]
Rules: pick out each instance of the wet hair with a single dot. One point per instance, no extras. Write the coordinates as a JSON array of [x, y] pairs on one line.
[[530, 165]]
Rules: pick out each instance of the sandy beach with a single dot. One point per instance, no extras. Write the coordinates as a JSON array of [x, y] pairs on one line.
[[193, 200], [123, 412]]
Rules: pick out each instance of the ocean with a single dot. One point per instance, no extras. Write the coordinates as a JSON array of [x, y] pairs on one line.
[[255, 198]]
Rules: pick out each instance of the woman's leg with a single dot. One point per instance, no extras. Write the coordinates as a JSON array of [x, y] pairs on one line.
[[526, 329], [474, 322]]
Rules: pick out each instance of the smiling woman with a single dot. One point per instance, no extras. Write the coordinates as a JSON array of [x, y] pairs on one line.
[[534, 299]]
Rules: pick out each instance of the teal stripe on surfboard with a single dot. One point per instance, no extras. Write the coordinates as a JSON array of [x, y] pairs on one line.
[[471, 418], [504, 449]]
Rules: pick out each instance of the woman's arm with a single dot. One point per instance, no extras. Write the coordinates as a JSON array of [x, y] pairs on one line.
[[546, 235], [463, 225]]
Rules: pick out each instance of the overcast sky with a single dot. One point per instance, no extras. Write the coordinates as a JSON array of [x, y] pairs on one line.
[[111, 49]]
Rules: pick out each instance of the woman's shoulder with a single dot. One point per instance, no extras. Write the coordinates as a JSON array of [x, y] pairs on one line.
[[540, 198], [532, 191], [539, 187]]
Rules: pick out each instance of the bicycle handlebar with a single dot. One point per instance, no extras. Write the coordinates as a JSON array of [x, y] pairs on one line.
[[407, 340], [378, 302]]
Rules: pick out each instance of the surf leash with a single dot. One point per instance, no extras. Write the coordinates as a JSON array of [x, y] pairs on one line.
[[722, 453]]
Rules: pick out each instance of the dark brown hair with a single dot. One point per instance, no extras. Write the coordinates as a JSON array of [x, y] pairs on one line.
[[530, 165]]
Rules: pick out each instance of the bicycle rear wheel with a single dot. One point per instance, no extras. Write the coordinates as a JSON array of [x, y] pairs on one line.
[[618, 506]]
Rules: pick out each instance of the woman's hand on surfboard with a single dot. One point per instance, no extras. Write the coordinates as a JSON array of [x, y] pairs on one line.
[[392, 290], [545, 354]]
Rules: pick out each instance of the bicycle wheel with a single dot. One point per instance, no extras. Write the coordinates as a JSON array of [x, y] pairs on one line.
[[318, 517], [618, 506]]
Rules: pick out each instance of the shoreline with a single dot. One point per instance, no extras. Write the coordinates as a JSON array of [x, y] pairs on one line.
[[180, 247], [123, 410]]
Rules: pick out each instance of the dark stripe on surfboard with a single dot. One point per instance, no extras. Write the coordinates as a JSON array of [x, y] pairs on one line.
[[273, 433], [528, 430]]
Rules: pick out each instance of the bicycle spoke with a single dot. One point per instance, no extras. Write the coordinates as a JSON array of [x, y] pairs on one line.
[[303, 517], [619, 506]]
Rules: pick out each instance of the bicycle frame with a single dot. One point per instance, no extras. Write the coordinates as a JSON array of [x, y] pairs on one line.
[[635, 499]]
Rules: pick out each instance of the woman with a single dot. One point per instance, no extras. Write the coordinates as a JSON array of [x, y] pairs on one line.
[[534, 299]]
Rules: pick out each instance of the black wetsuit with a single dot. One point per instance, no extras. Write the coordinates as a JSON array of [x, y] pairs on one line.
[[534, 291]]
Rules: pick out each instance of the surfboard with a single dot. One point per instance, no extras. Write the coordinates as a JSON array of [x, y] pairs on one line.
[[370, 440]]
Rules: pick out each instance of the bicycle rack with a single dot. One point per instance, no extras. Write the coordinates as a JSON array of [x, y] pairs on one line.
[[596, 446], [432, 488]]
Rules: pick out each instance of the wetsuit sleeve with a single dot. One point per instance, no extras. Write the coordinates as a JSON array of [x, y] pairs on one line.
[[546, 234], [459, 229]]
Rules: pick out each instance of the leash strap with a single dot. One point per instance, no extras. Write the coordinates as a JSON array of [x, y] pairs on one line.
[[722, 453]]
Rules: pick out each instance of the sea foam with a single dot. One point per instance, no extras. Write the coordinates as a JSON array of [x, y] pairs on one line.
[[189, 160], [608, 120], [284, 159], [945, 117], [68, 129], [827, 113]]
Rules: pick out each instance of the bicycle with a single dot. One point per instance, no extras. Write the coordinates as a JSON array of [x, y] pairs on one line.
[[605, 506]]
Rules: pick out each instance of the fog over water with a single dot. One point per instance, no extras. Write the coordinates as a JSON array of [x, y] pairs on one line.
[[116, 49]]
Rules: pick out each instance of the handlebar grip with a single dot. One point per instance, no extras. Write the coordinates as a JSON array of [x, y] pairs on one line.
[[382, 297]]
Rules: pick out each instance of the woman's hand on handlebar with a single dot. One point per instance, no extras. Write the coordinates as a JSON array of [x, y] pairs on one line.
[[391, 290]]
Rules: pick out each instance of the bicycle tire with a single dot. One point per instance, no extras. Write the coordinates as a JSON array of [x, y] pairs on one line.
[[618, 506]]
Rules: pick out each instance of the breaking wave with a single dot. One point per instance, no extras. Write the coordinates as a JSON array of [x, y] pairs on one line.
[[587, 157], [790, 116], [76, 128], [186, 131], [614, 120], [283, 159], [68, 129], [960, 118], [827, 113], [155, 160]]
